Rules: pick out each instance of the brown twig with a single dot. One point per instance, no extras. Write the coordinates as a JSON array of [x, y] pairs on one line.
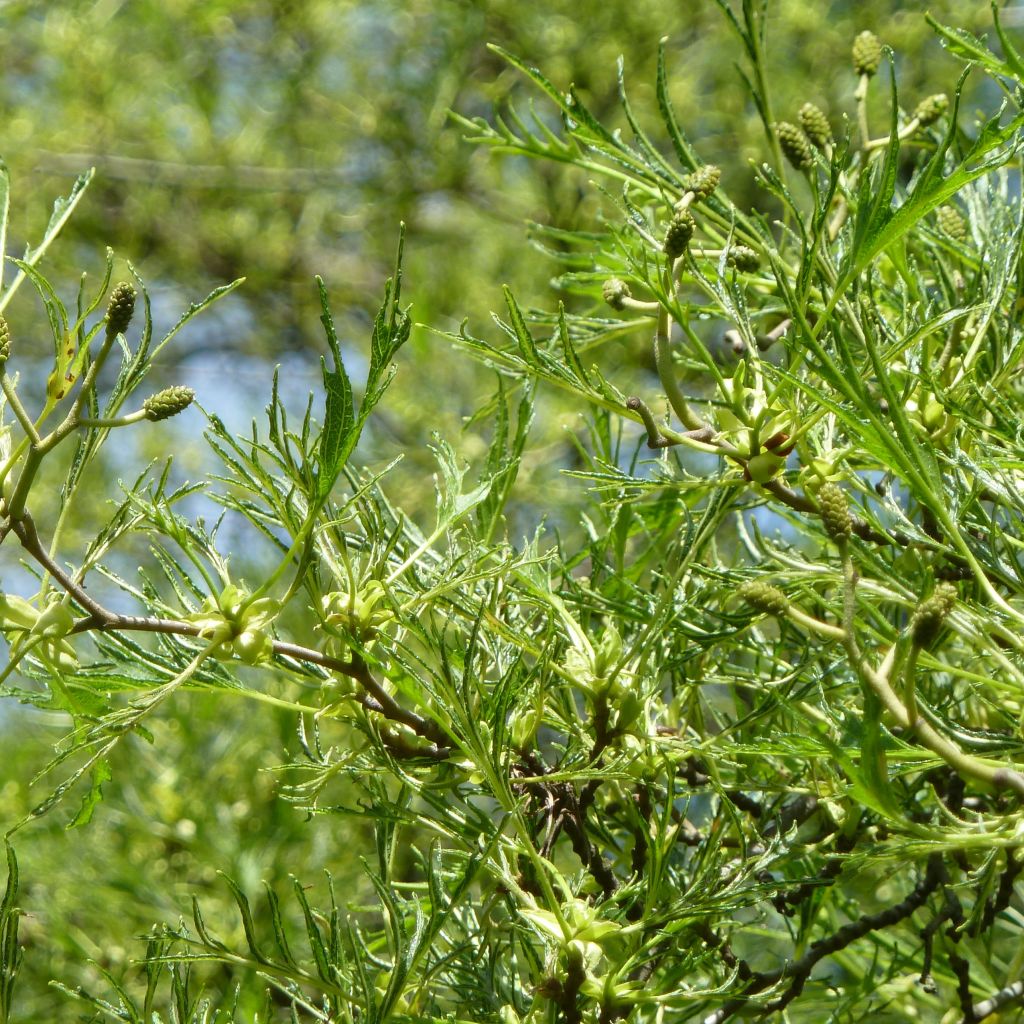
[[99, 618], [840, 939]]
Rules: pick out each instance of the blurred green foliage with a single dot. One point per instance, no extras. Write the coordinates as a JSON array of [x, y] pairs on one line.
[[276, 140]]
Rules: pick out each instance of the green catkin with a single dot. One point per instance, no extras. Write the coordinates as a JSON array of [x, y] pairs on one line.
[[615, 292], [931, 613], [121, 308], [795, 145], [951, 223], [5, 341], [867, 53], [703, 181], [678, 234], [169, 402], [743, 258], [764, 597], [835, 511], [815, 125], [931, 108]]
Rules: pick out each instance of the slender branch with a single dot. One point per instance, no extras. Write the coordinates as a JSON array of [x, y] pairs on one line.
[[114, 421], [905, 133], [861, 96], [802, 503], [667, 375], [840, 939], [1001, 776], [19, 410], [102, 619], [962, 970], [1005, 996], [661, 436], [24, 529], [655, 438]]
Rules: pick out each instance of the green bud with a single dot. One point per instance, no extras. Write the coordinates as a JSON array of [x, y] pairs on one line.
[[54, 621], [628, 706], [169, 402], [743, 258], [795, 145], [764, 597], [615, 291], [523, 724], [931, 108], [252, 646], [933, 415], [16, 613], [703, 182], [5, 341], [835, 511], [931, 613], [951, 223], [357, 614], [120, 308], [765, 465], [608, 652], [678, 234], [815, 125], [56, 654], [867, 53]]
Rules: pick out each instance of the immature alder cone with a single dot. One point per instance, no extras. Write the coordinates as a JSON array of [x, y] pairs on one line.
[[703, 181], [5, 341], [169, 402], [835, 511], [815, 125], [931, 108], [764, 597], [795, 145], [615, 292], [931, 613], [120, 308], [680, 231], [867, 53]]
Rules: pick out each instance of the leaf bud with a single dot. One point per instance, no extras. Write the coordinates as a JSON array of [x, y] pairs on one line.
[[763, 597], [169, 402], [743, 258], [253, 646], [764, 466], [703, 181], [615, 291], [56, 620], [815, 125], [933, 415], [931, 108], [867, 53], [358, 614], [523, 724], [795, 145], [16, 613], [931, 613], [120, 308], [951, 223], [835, 511], [57, 654], [678, 234]]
